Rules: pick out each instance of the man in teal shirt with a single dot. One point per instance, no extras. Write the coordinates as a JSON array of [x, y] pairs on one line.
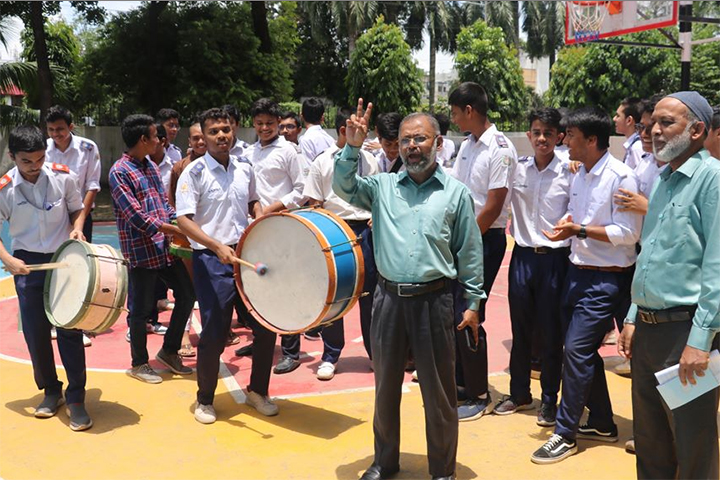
[[676, 294], [425, 235]]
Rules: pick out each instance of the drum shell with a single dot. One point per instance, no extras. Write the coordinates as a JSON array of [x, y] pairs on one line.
[[343, 260], [180, 246], [104, 296]]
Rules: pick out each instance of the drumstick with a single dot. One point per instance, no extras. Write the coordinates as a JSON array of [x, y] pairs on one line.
[[44, 266], [260, 268]]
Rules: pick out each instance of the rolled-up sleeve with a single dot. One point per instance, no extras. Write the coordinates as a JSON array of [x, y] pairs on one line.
[[468, 251], [626, 226], [356, 190]]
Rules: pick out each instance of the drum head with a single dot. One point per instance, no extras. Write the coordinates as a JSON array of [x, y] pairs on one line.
[[293, 294], [67, 288]]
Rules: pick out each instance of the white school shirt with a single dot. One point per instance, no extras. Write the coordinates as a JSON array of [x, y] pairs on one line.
[[165, 168], [633, 151], [278, 172], [174, 153], [444, 155], [647, 173], [318, 183], [484, 164], [592, 204], [39, 213], [217, 198], [314, 141], [239, 148], [539, 200], [83, 158], [385, 164]]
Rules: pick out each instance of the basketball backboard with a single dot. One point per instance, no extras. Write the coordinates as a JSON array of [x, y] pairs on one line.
[[586, 21]]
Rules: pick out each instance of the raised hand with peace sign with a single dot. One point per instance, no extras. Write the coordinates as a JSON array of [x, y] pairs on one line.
[[356, 127]]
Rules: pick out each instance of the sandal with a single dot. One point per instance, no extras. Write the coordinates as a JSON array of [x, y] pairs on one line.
[[186, 350]]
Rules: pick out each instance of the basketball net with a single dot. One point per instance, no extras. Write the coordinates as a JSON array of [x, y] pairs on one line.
[[587, 18]]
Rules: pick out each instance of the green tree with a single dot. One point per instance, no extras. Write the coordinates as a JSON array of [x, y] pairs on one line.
[[382, 71], [484, 58], [544, 24], [350, 18]]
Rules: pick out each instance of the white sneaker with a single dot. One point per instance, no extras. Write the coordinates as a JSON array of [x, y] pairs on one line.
[[205, 413], [326, 371], [87, 341], [157, 328], [262, 404], [53, 333], [196, 306]]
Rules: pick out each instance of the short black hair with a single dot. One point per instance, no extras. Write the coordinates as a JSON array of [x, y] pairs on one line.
[[212, 114], [232, 111], [388, 125], [444, 122], [266, 106], [58, 112], [592, 121], [469, 93], [715, 122], [134, 127], [165, 114], [549, 116], [632, 107], [161, 132], [313, 110], [26, 138], [341, 117], [290, 114]]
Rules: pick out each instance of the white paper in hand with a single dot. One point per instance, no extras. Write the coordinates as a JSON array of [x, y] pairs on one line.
[[677, 395]]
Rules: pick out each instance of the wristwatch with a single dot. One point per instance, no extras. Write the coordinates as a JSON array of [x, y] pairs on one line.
[[582, 234]]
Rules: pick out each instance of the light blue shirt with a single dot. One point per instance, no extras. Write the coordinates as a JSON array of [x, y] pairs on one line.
[[679, 264], [420, 232]]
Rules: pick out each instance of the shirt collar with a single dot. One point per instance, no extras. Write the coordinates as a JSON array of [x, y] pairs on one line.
[[214, 164], [439, 175], [139, 162], [488, 135], [19, 179], [314, 127], [600, 165], [555, 164], [630, 140], [72, 145], [276, 143], [690, 166]]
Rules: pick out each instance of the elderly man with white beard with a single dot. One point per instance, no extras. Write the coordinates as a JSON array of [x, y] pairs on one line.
[[676, 295]]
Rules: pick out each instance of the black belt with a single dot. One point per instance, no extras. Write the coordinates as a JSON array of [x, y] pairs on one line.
[[545, 250], [413, 289], [675, 314]]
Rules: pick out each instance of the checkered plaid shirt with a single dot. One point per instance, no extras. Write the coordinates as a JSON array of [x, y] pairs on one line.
[[141, 207]]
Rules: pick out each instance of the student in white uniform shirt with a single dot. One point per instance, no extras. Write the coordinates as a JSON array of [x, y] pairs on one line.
[[485, 163], [540, 195], [446, 154], [239, 146], [318, 190], [170, 119], [626, 117], [290, 127], [78, 153], [316, 140], [42, 204], [387, 127], [161, 158]]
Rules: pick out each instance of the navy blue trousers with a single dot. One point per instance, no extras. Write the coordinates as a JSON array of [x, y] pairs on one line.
[[534, 295], [36, 330], [216, 294], [590, 298], [472, 364]]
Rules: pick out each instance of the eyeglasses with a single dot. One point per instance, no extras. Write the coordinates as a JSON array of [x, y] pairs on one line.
[[287, 127], [640, 128], [416, 140]]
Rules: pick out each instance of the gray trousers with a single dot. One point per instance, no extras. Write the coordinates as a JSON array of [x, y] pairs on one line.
[[680, 443], [425, 324]]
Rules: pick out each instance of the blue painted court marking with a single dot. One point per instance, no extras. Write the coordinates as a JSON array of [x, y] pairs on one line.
[[102, 234]]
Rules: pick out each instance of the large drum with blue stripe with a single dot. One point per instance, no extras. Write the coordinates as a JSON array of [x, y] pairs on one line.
[[315, 269]]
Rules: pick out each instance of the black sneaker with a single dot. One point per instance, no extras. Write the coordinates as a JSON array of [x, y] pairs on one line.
[[557, 449], [589, 433], [546, 415]]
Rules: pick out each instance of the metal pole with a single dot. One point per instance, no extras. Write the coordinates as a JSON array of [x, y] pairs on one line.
[[686, 43]]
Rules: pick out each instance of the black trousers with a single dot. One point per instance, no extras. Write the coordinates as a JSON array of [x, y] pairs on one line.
[[680, 443], [36, 330], [425, 324], [143, 299], [472, 366]]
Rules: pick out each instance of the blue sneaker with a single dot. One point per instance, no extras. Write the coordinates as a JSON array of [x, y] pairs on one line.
[[473, 409]]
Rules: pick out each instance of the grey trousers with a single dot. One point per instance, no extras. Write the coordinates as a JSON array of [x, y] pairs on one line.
[[425, 324], [680, 443]]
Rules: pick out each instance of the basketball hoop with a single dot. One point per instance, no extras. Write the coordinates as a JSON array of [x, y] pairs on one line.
[[587, 18]]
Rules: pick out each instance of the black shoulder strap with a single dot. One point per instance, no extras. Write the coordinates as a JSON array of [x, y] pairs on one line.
[[396, 166]]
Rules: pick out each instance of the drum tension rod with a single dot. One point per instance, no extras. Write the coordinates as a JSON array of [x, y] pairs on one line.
[[106, 257], [363, 294], [353, 240]]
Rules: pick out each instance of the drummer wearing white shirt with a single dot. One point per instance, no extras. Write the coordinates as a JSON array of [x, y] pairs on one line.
[[42, 204], [598, 281], [540, 195], [214, 196], [318, 189], [78, 153]]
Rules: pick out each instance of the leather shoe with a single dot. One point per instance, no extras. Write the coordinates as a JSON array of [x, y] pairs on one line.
[[245, 351], [286, 365], [376, 472]]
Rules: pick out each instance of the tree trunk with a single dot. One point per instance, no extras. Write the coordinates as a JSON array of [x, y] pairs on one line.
[[260, 26], [45, 81], [154, 96], [433, 52]]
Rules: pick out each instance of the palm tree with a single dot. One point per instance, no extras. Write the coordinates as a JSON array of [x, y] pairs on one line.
[[505, 15], [544, 24], [13, 75], [350, 18]]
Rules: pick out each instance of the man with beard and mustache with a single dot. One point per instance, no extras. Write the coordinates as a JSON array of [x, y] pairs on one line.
[[424, 235], [602, 256], [675, 293]]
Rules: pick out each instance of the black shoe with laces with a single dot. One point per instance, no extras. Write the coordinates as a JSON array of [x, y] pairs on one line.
[[556, 449], [546, 415], [588, 432]]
